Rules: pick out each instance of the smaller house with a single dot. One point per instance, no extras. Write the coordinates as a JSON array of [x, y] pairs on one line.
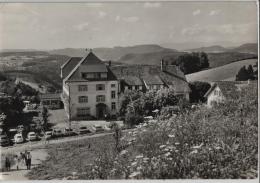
[[223, 90], [51, 100]]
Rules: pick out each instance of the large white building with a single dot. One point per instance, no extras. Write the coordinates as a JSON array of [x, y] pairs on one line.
[[91, 89]]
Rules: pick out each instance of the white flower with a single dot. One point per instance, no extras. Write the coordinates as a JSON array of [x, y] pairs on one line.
[[134, 174], [197, 147], [123, 152], [194, 152], [177, 143], [134, 163], [167, 154], [162, 146], [171, 136], [139, 156]]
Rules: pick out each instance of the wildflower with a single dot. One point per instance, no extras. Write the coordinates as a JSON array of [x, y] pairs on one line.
[[145, 124], [171, 136], [123, 152], [162, 146], [145, 159], [217, 147], [134, 163], [134, 174], [197, 147], [167, 154], [139, 156], [194, 152], [177, 143]]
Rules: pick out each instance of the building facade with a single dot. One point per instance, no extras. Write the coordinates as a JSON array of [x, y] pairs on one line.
[[91, 89]]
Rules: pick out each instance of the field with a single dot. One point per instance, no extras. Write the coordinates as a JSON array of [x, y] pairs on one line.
[[226, 72]]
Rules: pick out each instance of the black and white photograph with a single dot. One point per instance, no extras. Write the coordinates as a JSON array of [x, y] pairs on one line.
[[131, 90]]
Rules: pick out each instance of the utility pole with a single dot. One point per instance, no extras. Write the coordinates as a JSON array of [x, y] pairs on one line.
[[69, 108]]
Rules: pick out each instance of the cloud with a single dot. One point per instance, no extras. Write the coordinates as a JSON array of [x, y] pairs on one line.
[[196, 12], [102, 14], [228, 29], [214, 12], [117, 19], [81, 27], [131, 19], [152, 5], [94, 5]]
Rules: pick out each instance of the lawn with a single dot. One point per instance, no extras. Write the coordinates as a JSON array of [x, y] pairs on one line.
[[226, 72]]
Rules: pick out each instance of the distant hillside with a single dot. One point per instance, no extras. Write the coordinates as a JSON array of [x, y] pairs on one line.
[[244, 48], [215, 59], [112, 53], [153, 58], [247, 48], [210, 49], [22, 53], [226, 72]]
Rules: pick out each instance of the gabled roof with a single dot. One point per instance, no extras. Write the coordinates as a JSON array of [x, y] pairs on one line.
[[90, 63], [229, 89], [132, 80], [153, 80], [69, 65], [153, 75]]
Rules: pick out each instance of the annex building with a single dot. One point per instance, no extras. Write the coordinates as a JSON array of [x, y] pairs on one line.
[[92, 88]]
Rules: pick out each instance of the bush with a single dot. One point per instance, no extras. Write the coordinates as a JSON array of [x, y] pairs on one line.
[[133, 119]]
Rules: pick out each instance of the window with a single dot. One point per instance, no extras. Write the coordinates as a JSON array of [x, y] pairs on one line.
[[113, 85], [83, 88], [136, 87], [100, 87], [113, 106], [84, 111], [101, 98], [113, 94], [104, 75], [83, 99]]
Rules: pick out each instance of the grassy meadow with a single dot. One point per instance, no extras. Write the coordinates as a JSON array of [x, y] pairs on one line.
[[216, 143]]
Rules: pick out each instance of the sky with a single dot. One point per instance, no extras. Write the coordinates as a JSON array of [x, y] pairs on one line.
[[90, 25]]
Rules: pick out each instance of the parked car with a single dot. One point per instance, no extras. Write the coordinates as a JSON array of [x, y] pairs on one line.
[[83, 130], [69, 132], [48, 134], [11, 133], [98, 128], [18, 138], [31, 136], [57, 133], [4, 140]]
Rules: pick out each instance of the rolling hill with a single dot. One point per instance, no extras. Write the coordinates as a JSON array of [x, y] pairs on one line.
[[209, 49], [114, 53], [226, 72], [244, 48]]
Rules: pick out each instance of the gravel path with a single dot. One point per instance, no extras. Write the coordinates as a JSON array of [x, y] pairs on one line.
[[38, 155]]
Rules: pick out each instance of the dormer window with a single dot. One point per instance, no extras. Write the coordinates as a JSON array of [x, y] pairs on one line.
[[94, 75]]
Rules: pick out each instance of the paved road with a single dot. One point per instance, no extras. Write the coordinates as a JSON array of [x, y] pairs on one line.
[[37, 156], [41, 144]]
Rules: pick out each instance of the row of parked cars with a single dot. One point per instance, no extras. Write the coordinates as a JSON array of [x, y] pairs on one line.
[[19, 136]]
